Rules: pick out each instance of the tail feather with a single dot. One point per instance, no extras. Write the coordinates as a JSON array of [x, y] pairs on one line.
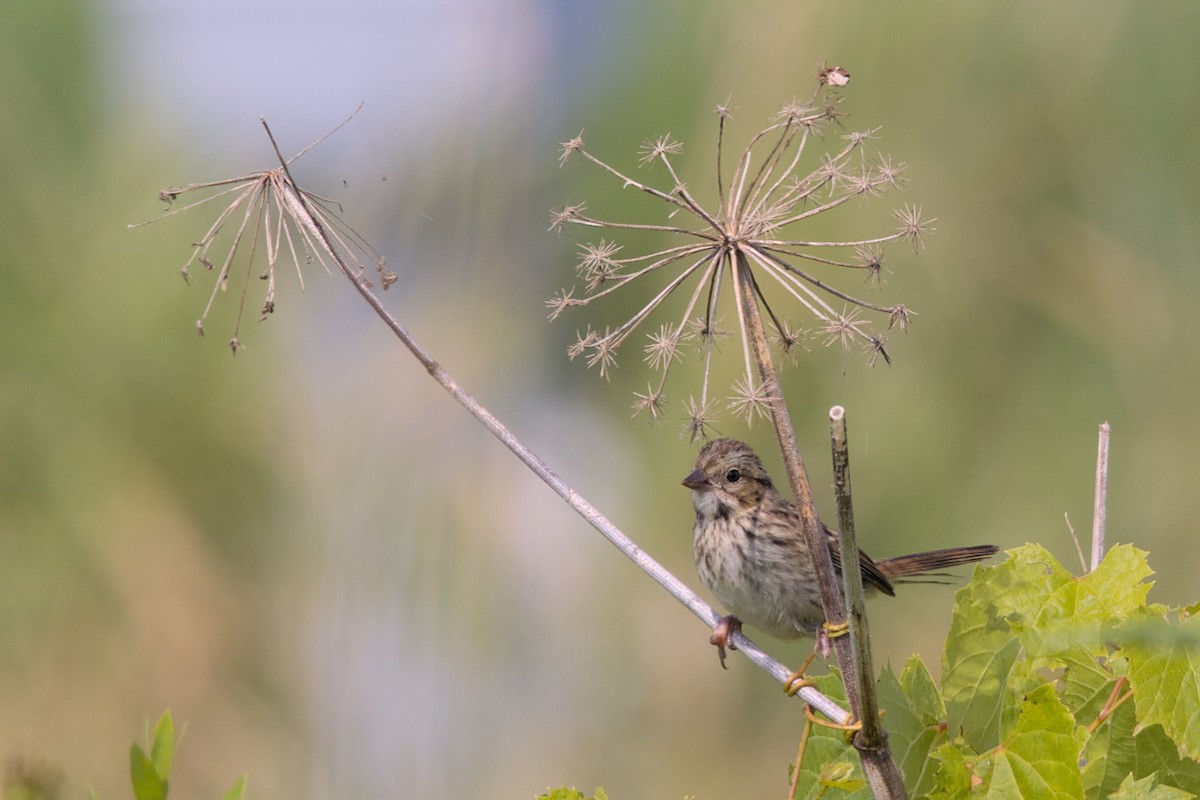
[[925, 564]]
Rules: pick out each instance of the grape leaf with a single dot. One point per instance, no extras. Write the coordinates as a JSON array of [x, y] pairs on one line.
[[954, 776], [1147, 788], [981, 651], [1154, 752], [1053, 610], [921, 690], [1111, 753], [914, 716], [1087, 683], [1166, 686], [1040, 758]]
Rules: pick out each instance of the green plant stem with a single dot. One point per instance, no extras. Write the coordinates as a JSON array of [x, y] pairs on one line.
[[803, 746]]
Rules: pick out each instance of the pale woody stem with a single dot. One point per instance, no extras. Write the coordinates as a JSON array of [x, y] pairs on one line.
[[1100, 502]]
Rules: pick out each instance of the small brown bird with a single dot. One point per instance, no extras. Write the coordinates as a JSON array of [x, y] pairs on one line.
[[751, 552]]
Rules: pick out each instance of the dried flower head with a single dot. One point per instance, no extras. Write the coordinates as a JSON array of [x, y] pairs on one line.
[[746, 237], [267, 210]]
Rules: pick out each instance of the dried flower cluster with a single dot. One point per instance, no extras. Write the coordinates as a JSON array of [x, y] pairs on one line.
[[750, 227], [267, 207]]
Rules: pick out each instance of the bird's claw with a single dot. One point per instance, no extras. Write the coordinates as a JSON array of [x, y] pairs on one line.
[[722, 636]]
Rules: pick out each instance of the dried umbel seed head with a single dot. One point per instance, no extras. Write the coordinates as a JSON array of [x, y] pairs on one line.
[[265, 210], [748, 236]]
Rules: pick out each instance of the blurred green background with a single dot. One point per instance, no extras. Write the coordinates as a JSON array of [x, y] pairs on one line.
[[342, 585]]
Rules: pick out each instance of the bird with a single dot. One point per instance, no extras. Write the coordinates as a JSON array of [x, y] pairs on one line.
[[752, 554]]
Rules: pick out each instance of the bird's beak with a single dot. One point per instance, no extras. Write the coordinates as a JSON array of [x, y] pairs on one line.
[[697, 481]]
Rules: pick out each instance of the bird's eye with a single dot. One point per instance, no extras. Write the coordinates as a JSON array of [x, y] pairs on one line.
[[733, 476]]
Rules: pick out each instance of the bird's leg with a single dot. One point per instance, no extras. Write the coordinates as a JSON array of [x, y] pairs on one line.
[[828, 632], [722, 635]]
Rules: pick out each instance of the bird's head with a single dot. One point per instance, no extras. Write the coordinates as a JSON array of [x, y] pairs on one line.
[[727, 475]]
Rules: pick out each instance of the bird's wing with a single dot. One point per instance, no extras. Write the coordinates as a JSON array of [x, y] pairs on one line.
[[872, 576]]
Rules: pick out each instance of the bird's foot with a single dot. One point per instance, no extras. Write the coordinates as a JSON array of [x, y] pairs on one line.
[[722, 636], [827, 633]]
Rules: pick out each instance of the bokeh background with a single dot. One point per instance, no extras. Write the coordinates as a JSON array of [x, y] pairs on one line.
[[334, 578]]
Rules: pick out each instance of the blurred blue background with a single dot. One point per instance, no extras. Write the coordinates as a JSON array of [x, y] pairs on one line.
[[336, 579]]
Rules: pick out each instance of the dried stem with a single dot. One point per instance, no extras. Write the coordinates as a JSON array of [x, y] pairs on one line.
[[872, 735], [611, 532], [1100, 502], [879, 767]]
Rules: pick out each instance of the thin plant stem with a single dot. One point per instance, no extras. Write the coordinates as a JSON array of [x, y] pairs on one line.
[[872, 734], [576, 501], [804, 734], [1100, 502], [1083, 562]]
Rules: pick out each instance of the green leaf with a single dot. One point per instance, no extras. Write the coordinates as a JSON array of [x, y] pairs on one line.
[[1053, 610], [162, 750], [922, 691], [1087, 683], [1111, 752], [981, 651], [914, 720], [1155, 753], [840, 775], [1147, 788], [1028, 614], [1040, 759], [147, 783], [1024, 582], [1117, 588], [954, 774], [237, 791], [1038, 588], [828, 746], [1166, 686], [563, 793]]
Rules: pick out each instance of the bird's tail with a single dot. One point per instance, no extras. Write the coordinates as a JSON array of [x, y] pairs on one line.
[[929, 563]]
